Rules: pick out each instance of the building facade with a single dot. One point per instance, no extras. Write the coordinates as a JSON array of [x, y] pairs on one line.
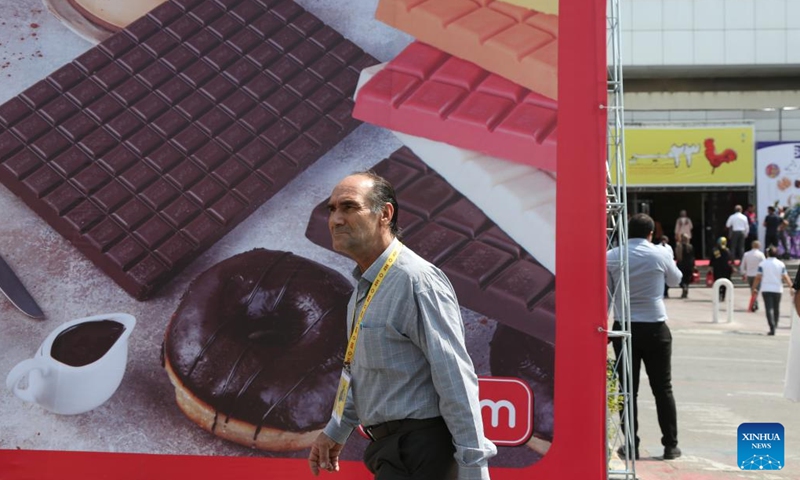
[[710, 63]]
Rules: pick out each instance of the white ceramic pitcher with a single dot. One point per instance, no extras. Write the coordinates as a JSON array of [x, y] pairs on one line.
[[67, 389]]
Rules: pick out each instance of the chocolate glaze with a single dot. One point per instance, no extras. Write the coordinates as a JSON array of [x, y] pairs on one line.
[[86, 342], [260, 337], [149, 147]]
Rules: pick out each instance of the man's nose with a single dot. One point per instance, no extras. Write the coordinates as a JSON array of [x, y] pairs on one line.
[[335, 218]]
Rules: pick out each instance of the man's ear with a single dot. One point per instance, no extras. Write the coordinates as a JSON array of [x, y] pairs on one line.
[[387, 213]]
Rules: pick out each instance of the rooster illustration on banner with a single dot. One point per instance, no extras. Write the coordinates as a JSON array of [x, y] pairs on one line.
[[716, 159], [675, 152]]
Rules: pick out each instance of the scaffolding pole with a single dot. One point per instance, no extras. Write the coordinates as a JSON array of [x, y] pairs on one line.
[[620, 393]]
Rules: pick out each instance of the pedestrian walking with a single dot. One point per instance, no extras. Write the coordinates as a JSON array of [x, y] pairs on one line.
[[773, 223], [783, 234], [749, 268], [407, 376], [664, 243], [684, 254], [683, 226], [771, 277], [721, 264], [752, 233], [738, 226]]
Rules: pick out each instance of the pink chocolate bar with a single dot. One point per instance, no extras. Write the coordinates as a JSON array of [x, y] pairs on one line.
[[431, 94]]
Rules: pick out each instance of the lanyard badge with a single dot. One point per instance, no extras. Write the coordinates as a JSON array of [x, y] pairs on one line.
[[344, 380], [341, 396]]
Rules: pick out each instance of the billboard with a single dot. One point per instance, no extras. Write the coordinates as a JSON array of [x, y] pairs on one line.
[[681, 156], [149, 172], [778, 185]]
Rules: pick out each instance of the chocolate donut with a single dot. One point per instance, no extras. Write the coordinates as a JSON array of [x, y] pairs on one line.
[[256, 347], [517, 354]]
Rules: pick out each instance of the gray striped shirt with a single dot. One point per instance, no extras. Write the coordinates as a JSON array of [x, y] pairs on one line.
[[411, 361]]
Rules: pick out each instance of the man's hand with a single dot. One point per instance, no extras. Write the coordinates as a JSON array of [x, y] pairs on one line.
[[324, 454]]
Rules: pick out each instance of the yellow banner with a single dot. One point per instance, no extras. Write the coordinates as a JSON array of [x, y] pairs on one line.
[[544, 6], [691, 156]]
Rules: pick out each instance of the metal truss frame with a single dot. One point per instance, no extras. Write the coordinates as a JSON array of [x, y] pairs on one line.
[[620, 393]]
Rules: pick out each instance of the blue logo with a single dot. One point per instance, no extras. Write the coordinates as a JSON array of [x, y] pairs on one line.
[[760, 446]]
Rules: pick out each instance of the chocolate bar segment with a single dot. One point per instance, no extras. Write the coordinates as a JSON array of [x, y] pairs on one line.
[[520, 44], [150, 147], [492, 274], [428, 93]]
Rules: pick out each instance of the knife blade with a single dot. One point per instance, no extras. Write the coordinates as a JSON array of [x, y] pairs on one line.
[[15, 291]]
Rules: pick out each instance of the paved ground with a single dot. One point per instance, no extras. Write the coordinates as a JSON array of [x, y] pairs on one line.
[[724, 374]]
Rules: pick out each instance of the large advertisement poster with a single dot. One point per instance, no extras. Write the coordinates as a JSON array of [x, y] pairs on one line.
[[174, 306], [689, 155], [778, 186]]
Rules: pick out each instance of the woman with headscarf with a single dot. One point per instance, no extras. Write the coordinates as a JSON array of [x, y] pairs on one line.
[[684, 254], [721, 264]]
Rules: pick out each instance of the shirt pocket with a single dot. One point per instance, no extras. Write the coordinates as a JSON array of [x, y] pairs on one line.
[[371, 349]]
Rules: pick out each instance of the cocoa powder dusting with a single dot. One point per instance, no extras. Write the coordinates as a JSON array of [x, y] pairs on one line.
[[18, 55]]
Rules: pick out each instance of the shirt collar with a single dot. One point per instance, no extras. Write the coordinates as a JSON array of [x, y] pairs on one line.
[[372, 272], [638, 240]]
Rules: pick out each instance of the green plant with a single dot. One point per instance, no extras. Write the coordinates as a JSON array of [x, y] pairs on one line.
[[615, 402], [614, 399]]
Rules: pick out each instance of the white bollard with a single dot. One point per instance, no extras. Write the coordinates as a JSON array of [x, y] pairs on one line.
[[728, 298]]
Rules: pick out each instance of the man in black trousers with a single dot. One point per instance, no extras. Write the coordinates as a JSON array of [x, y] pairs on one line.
[[649, 267]]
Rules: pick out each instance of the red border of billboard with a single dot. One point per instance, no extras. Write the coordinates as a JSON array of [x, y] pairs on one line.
[[578, 447]]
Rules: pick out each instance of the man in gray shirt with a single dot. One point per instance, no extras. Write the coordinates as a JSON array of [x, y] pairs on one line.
[[411, 381], [649, 267]]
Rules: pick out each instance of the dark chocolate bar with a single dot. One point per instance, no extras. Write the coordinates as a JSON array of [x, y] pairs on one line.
[[148, 148], [492, 274]]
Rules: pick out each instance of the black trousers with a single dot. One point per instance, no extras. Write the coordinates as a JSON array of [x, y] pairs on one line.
[[771, 240], [652, 344], [737, 244], [772, 305], [417, 453]]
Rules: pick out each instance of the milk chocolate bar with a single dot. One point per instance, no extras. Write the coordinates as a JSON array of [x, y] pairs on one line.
[[492, 275], [518, 43], [151, 146]]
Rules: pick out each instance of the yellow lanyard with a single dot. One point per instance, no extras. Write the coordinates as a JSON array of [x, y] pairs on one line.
[[351, 345]]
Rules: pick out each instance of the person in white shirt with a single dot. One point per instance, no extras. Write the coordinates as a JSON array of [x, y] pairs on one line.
[[771, 276], [683, 226], [749, 267], [738, 226]]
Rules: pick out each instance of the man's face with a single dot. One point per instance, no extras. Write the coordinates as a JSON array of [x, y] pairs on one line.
[[352, 223]]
